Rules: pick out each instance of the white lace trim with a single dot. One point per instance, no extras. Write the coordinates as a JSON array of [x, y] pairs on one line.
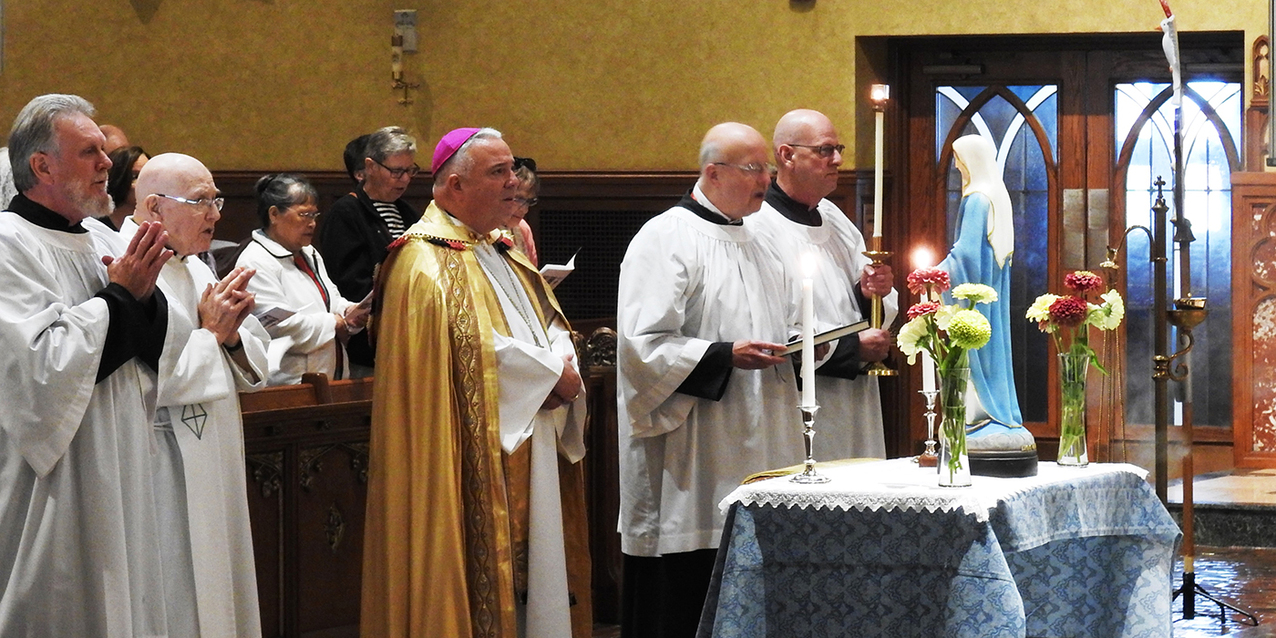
[[899, 484]]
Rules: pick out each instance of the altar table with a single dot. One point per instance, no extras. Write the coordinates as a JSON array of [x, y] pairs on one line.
[[883, 551]]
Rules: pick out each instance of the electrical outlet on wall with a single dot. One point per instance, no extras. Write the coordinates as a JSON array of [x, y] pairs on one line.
[[405, 25]]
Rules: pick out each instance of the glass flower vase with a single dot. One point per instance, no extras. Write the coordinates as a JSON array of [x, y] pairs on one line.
[[1072, 372], [954, 463]]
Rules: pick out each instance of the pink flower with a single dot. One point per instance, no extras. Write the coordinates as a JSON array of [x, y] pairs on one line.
[[1068, 312], [928, 279], [923, 309], [1083, 281]]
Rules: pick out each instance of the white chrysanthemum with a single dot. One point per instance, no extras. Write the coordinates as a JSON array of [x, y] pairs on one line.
[[1107, 315], [911, 337], [975, 293], [1040, 309]]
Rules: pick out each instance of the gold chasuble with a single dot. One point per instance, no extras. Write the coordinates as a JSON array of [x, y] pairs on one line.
[[445, 544]]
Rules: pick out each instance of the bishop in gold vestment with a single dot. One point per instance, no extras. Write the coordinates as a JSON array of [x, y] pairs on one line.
[[475, 518]]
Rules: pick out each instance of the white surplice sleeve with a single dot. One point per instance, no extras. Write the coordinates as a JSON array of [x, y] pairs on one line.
[[51, 350], [653, 353]]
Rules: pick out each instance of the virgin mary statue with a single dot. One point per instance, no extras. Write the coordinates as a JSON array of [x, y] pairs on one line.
[[998, 443]]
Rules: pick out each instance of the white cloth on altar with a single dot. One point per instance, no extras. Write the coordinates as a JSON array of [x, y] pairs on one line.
[[899, 484], [199, 387], [306, 341], [529, 363], [686, 283], [80, 552], [849, 423]]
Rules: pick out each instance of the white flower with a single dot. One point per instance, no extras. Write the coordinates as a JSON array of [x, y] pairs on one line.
[[1040, 309], [911, 337], [1108, 315], [975, 293]]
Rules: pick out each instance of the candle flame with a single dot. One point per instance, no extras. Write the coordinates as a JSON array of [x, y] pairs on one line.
[[923, 257], [808, 265]]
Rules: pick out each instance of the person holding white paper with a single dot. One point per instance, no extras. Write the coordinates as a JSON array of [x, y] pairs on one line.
[[291, 276], [797, 220], [704, 400]]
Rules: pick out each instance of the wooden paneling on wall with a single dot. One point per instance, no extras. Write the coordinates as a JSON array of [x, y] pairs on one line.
[[1254, 318]]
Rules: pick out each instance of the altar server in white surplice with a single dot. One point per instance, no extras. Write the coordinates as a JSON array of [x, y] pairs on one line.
[[214, 349], [797, 220], [703, 399], [79, 552]]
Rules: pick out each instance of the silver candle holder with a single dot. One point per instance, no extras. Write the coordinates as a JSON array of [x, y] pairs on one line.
[[929, 457], [809, 475]]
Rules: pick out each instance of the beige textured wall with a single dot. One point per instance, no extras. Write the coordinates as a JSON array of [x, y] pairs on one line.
[[578, 84]]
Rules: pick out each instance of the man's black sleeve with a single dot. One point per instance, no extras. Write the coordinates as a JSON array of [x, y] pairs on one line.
[[709, 379], [136, 329]]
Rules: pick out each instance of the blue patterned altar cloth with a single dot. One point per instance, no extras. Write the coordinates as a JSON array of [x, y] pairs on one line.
[[883, 551]]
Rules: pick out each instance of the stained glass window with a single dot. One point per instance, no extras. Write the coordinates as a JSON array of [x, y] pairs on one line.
[[1211, 115]]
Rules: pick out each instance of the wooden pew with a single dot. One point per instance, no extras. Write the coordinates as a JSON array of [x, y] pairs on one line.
[[306, 449]]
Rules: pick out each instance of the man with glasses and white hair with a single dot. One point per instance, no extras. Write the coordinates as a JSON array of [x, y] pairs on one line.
[[356, 230], [475, 518], [797, 220], [213, 350], [705, 397], [81, 330]]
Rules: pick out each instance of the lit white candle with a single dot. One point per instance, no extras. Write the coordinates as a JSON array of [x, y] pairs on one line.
[[928, 372], [878, 154], [808, 331], [923, 258], [880, 94]]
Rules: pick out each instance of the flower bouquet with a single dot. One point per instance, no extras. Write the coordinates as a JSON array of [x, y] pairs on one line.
[[947, 333], [1068, 319]]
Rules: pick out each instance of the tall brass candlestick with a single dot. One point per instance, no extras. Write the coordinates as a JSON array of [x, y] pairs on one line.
[[879, 94]]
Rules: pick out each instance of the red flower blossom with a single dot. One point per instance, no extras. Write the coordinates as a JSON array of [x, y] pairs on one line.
[[922, 279], [922, 309], [1083, 281], [1068, 312]]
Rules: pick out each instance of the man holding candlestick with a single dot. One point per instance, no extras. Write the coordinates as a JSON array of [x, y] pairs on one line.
[[703, 399], [798, 221]]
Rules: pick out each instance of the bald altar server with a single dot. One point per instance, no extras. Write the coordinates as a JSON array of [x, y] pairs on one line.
[[213, 350], [704, 401], [475, 522], [81, 329], [797, 220]]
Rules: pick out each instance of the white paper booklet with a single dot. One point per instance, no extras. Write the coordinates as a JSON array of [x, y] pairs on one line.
[[555, 273]]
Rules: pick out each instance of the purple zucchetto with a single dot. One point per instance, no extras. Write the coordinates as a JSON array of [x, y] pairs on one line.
[[448, 146]]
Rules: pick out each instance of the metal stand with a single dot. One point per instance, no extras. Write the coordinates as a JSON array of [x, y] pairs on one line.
[[1190, 590], [929, 457], [809, 475]]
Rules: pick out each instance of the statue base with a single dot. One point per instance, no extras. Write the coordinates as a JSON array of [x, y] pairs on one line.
[[1008, 464], [1001, 451]]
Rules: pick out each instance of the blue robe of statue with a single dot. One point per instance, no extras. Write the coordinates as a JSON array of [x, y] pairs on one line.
[[971, 260]]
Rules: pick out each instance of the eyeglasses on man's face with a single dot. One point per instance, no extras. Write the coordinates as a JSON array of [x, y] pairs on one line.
[[215, 202], [398, 173], [753, 168], [825, 150]]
